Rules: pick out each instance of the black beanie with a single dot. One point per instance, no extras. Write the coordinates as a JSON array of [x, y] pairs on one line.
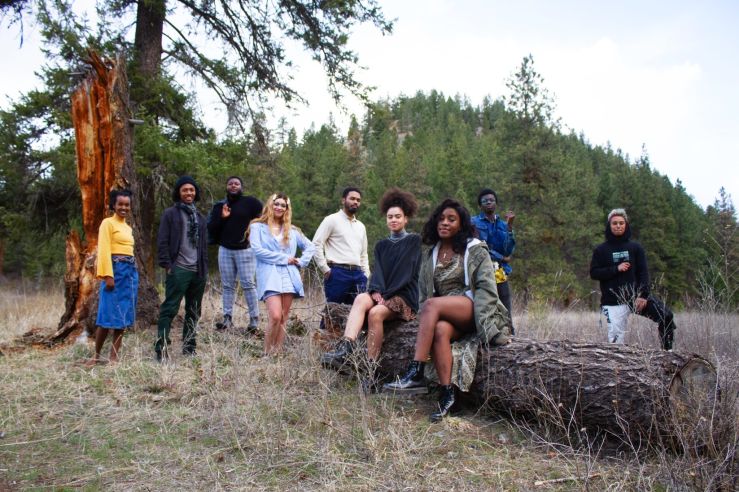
[[181, 181]]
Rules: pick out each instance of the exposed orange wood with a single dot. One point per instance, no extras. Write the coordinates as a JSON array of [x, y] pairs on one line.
[[103, 146]]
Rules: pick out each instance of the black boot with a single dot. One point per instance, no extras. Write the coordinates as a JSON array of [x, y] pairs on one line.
[[337, 357], [411, 382], [446, 402]]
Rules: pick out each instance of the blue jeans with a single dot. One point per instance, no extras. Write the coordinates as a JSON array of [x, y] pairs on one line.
[[344, 285]]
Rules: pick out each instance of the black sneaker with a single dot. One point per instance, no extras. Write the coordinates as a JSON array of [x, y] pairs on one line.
[[411, 382], [226, 324]]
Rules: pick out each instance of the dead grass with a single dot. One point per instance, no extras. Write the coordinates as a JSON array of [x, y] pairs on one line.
[[231, 419], [25, 306]]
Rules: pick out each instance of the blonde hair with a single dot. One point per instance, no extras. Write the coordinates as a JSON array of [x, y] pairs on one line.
[[268, 216], [617, 212]]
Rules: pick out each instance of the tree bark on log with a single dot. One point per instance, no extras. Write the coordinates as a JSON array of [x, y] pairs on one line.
[[623, 390], [103, 138]]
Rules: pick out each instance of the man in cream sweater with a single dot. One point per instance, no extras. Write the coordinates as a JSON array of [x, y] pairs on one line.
[[341, 250]]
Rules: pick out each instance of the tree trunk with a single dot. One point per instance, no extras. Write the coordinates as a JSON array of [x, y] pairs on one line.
[[147, 61], [623, 390], [103, 137]]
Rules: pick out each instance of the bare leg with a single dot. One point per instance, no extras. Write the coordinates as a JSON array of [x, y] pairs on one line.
[[100, 335], [457, 310], [274, 322], [279, 337], [442, 348], [376, 330], [116, 346], [362, 304]]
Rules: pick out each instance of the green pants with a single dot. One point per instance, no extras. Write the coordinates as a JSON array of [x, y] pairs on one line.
[[180, 283]]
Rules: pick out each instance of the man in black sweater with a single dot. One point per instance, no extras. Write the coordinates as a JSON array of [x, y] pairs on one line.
[[621, 267], [227, 225]]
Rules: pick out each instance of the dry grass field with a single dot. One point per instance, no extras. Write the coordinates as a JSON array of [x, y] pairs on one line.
[[231, 419]]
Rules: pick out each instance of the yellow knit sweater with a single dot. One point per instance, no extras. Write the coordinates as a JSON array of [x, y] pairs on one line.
[[115, 237]]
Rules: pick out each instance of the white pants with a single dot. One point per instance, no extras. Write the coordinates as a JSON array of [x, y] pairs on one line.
[[617, 317]]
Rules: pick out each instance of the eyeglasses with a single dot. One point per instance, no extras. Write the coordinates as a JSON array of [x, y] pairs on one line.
[[487, 200]]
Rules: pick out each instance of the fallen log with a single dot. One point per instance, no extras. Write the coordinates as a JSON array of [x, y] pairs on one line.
[[623, 390]]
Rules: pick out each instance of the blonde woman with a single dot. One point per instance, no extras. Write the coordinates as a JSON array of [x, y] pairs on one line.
[[275, 242]]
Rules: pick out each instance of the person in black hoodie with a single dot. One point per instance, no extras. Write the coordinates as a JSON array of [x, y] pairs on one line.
[[620, 266], [227, 225]]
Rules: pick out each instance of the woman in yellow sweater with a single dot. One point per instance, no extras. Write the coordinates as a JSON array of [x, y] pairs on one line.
[[116, 266]]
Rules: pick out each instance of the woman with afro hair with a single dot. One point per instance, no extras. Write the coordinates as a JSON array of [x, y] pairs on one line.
[[393, 287]]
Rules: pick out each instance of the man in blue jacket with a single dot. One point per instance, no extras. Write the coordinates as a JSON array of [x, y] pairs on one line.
[[620, 265], [498, 233]]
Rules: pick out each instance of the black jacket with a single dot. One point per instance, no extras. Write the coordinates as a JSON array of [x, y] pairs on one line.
[[170, 237], [230, 232], [620, 287]]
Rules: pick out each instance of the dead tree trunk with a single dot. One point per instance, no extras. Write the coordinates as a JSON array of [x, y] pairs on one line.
[[618, 389], [103, 135]]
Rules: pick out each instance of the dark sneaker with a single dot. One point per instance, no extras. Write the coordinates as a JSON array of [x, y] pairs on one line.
[[412, 381], [226, 324], [253, 332]]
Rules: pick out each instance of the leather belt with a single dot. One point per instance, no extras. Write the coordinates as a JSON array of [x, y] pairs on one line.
[[123, 259], [344, 266]]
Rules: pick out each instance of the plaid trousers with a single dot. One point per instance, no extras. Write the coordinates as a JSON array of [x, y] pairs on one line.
[[241, 262]]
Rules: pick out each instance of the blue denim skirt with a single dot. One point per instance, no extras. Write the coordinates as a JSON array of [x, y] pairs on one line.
[[117, 307]]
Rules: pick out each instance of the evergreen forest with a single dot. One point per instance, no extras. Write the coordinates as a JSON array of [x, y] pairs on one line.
[[436, 145]]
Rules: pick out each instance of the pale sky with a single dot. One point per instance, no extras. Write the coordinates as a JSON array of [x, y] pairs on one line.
[[663, 74]]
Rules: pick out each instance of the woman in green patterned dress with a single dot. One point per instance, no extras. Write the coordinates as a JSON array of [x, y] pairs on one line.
[[460, 306]]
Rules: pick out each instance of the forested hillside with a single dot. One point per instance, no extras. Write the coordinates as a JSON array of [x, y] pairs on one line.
[[558, 184]]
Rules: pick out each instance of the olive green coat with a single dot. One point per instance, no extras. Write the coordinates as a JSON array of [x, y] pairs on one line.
[[489, 312]]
